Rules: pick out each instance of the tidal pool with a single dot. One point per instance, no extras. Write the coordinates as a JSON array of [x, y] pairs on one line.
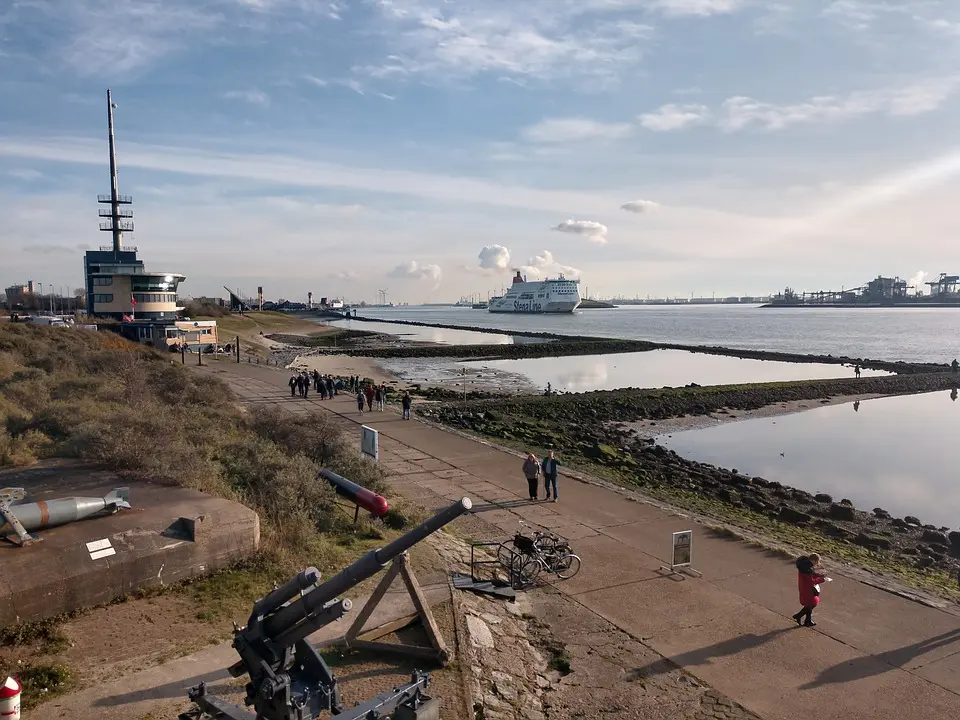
[[896, 453], [442, 336], [657, 368]]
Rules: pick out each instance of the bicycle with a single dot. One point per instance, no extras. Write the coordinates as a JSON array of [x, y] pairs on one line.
[[525, 557]]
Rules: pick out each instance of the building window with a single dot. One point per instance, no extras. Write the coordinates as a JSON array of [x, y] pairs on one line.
[[103, 298], [103, 281], [155, 297]]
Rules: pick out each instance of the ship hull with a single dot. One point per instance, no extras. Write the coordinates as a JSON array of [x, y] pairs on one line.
[[528, 308]]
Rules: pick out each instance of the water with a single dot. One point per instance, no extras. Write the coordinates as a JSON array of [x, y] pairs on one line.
[[909, 334], [442, 336], [896, 453], [657, 368]]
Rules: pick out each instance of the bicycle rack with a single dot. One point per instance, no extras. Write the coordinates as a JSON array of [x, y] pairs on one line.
[[482, 582]]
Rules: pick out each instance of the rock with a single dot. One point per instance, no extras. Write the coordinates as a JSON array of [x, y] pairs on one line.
[[491, 619], [897, 522], [872, 542], [881, 513], [911, 520], [834, 531], [542, 682], [755, 504], [934, 536], [794, 517], [842, 512], [954, 538], [929, 527], [727, 496], [848, 503], [924, 562], [823, 498], [480, 634]]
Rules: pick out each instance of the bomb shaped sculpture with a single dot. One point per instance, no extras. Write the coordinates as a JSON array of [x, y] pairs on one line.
[[20, 518]]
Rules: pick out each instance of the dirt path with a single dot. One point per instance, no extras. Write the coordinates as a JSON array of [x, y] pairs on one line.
[[873, 655]]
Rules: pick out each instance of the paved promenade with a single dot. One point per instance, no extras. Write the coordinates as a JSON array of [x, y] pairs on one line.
[[873, 655]]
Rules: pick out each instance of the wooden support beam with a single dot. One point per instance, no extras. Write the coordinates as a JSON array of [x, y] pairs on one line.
[[415, 650], [372, 603], [423, 608], [387, 628]]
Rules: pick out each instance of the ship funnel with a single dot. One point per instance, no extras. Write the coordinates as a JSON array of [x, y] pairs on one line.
[[517, 279]]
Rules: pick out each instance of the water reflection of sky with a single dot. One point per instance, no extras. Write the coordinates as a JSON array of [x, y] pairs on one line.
[[417, 333], [658, 368], [895, 453]]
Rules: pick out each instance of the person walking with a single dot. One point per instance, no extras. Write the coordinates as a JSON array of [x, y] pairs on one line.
[[360, 401], [531, 470], [549, 467], [808, 583], [293, 385], [406, 402], [331, 388], [378, 398], [322, 389], [371, 393], [316, 381], [299, 383], [856, 370], [306, 384]]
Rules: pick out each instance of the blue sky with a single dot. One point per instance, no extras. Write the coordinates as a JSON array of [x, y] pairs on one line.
[[661, 147]]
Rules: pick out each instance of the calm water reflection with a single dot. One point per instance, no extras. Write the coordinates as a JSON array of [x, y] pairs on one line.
[[895, 453], [430, 334], [657, 368]]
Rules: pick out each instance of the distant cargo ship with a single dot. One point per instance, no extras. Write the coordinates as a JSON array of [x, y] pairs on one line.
[[881, 292], [539, 296]]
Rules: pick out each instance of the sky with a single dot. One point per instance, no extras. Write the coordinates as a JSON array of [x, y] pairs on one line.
[[429, 147]]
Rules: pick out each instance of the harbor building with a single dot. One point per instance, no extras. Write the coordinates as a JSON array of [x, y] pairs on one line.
[[117, 283]]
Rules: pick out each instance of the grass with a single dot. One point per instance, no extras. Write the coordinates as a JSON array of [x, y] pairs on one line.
[[94, 397]]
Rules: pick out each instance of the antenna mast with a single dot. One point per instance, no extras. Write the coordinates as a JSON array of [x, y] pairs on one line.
[[120, 219]]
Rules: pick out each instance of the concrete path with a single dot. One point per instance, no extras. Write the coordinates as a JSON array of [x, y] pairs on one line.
[[873, 655]]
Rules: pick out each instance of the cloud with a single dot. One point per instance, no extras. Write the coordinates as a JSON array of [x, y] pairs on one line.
[[593, 231], [494, 257], [26, 174], [42, 249], [741, 113], [254, 97], [537, 39], [675, 117], [414, 271], [345, 275], [699, 8], [545, 264], [640, 206], [572, 129], [917, 282]]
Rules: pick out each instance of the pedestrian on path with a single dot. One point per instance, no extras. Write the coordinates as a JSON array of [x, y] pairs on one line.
[[856, 370], [331, 388], [306, 384], [549, 467], [808, 583], [360, 401], [378, 398], [531, 470], [406, 402], [370, 395], [293, 385]]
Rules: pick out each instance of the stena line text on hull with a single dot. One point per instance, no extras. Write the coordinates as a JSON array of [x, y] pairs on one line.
[[538, 296]]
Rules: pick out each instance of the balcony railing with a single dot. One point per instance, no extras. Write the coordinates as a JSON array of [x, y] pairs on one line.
[[121, 212], [124, 226], [123, 248], [122, 199]]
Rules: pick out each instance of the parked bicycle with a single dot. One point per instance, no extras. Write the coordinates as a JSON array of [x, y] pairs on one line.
[[524, 557]]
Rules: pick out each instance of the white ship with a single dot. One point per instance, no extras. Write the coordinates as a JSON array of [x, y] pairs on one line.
[[539, 296]]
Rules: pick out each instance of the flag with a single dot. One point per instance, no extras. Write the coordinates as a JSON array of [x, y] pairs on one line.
[[133, 300]]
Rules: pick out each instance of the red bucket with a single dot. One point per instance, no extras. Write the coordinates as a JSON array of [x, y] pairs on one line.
[[10, 700]]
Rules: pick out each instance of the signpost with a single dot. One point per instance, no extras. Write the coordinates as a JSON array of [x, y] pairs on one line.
[[681, 555], [370, 443]]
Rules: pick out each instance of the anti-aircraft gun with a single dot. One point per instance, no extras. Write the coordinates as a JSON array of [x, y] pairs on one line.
[[289, 680]]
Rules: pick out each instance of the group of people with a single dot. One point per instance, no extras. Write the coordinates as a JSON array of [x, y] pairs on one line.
[[534, 469], [301, 382]]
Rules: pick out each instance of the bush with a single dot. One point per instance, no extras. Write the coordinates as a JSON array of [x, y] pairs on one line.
[[123, 407], [197, 308]]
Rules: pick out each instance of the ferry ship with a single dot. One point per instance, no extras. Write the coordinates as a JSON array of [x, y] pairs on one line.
[[539, 296]]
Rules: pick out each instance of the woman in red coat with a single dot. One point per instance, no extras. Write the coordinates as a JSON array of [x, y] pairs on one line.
[[808, 583]]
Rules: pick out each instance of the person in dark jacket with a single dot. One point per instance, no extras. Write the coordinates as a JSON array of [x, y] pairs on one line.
[[293, 385], [549, 467], [808, 583], [406, 402], [531, 471], [305, 384], [331, 388], [360, 401]]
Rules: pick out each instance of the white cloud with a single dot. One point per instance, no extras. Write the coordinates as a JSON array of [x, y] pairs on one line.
[[536, 39], [345, 275], [545, 264], [572, 129], [917, 282], [640, 206], [254, 97], [740, 112], [675, 117], [494, 257], [593, 231], [701, 8], [414, 271]]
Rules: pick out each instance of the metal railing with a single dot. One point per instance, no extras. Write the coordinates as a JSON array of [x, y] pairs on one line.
[[121, 212], [122, 199], [125, 225]]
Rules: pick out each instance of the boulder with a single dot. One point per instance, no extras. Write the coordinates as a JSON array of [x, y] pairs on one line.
[[842, 512], [911, 520], [924, 562], [872, 542], [823, 498], [794, 517], [954, 538], [834, 531], [881, 513], [848, 503], [934, 536]]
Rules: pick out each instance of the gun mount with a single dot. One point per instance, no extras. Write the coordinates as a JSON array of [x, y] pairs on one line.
[[288, 679]]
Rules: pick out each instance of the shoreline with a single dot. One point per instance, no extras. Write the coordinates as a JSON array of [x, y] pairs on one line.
[[563, 345]]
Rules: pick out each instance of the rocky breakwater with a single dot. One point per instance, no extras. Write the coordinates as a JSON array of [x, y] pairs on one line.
[[589, 430]]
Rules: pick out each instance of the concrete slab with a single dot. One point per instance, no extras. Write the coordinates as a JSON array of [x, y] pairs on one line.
[[152, 543], [604, 566], [944, 672]]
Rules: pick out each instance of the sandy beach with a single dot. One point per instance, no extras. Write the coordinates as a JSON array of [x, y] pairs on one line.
[[344, 365]]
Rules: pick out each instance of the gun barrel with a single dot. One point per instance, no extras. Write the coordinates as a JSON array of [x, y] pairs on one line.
[[282, 621], [285, 592], [367, 499]]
